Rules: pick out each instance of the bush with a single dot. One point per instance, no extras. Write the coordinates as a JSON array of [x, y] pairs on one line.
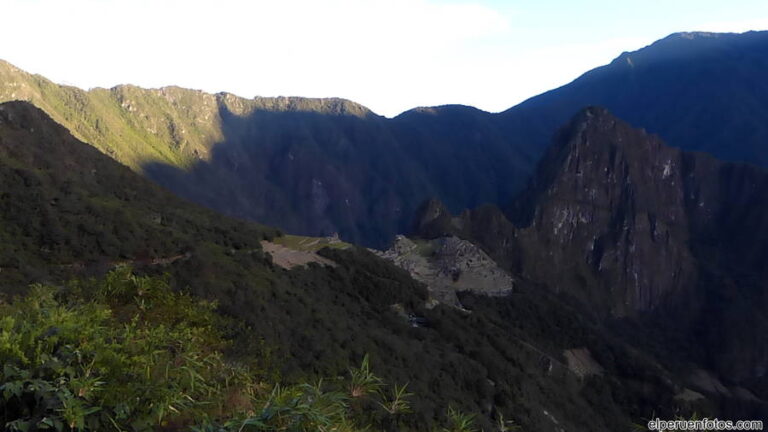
[[132, 356], [128, 353]]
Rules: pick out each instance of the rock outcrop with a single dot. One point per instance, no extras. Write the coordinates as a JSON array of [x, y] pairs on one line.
[[608, 208]]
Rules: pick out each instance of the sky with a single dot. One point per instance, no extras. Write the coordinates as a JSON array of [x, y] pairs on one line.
[[389, 55]]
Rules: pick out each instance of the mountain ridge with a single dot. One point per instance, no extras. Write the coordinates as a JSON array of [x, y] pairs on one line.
[[639, 232], [324, 166], [63, 203], [194, 141], [648, 87]]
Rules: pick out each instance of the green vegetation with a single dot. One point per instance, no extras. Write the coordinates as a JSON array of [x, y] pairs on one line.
[[132, 125], [308, 166], [67, 208], [125, 352], [136, 126]]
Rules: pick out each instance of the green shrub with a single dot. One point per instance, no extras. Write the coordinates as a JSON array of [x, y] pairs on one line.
[[127, 353], [130, 355]]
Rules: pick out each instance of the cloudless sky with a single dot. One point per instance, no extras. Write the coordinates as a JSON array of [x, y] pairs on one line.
[[390, 55]]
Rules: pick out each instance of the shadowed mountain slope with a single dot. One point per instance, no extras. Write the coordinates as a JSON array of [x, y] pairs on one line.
[[633, 228], [309, 166], [311, 172], [698, 91]]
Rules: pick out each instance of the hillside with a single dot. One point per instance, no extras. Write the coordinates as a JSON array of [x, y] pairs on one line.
[[308, 166], [66, 207], [70, 211]]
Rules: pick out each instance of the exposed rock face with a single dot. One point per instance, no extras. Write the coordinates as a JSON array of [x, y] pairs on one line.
[[448, 265], [610, 211], [634, 228]]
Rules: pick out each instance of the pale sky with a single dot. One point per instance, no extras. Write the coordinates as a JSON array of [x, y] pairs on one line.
[[389, 55]]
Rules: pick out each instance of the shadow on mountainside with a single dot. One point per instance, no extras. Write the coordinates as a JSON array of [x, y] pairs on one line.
[[320, 171], [362, 176]]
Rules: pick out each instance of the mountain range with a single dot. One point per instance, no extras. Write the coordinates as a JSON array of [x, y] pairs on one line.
[[71, 212], [630, 238], [320, 166]]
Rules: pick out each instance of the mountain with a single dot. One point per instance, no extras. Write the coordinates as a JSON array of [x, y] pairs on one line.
[[309, 166], [320, 166], [642, 234], [69, 211], [698, 91]]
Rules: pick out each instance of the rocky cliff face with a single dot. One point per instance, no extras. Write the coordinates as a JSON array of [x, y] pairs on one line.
[[633, 228], [609, 212]]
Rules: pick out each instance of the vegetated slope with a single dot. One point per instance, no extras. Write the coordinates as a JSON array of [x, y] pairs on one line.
[[308, 166], [319, 166], [675, 241], [65, 206], [698, 91], [505, 357]]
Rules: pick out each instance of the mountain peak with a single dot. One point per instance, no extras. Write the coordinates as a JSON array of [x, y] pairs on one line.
[[10, 76], [696, 46], [594, 128], [612, 192]]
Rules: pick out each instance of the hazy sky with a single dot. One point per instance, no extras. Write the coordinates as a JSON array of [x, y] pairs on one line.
[[390, 55]]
